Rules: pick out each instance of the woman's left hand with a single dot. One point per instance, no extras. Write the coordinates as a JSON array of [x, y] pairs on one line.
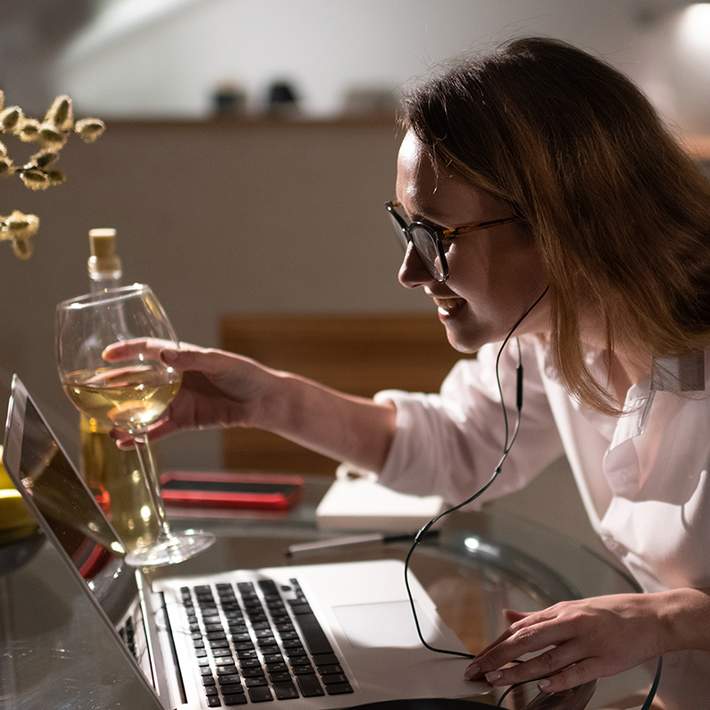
[[580, 641]]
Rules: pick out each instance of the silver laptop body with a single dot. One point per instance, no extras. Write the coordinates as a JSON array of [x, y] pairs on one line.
[[311, 636]]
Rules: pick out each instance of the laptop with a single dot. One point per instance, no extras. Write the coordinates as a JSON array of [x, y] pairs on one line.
[[297, 636]]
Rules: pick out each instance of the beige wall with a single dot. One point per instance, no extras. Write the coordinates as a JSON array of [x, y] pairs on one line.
[[218, 218]]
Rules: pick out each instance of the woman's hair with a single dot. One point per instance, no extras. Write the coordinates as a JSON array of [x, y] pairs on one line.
[[620, 213]]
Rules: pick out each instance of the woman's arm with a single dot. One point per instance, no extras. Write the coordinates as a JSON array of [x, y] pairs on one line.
[[221, 389], [339, 425], [686, 616]]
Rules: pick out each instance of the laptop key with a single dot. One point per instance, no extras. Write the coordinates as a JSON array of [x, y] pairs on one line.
[[302, 669], [279, 677], [260, 694], [255, 682], [313, 634], [221, 652], [285, 691], [227, 669], [235, 699], [232, 689], [256, 672], [324, 659], [231, 679], [309, 686], [208, 680], [327, 670], [213, 701], [334, 679], [251, 663], [277, 667], [339, 689]]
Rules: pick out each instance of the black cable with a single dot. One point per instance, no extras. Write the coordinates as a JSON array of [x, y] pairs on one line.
[[654, 686], [507, 446]]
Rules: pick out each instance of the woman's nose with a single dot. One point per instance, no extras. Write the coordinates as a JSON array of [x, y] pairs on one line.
[[412, 272]]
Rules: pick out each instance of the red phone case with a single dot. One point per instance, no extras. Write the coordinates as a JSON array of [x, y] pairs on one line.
[[287, 490]]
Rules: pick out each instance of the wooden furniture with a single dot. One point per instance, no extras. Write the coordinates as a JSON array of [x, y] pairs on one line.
[[359, 354]]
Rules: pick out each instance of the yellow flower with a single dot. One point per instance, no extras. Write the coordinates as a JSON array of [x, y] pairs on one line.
[[43, 159], [6, 166], [61, 113], [22, 248], [35, 179], [56, 177], [28, 130], [51, 136], [21, 226], [10, 117], [89, 129]]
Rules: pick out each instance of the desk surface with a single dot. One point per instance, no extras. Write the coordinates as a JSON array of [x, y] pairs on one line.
[[480, 565]]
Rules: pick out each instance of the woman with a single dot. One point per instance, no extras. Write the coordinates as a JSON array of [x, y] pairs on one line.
[[544, 187]]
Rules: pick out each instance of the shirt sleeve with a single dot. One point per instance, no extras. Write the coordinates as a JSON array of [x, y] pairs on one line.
[[449, 443]]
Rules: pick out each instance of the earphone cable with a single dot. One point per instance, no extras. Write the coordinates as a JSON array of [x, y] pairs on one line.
[[507, 446]]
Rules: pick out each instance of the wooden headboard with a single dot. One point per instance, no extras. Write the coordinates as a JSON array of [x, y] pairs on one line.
[[359, 354]]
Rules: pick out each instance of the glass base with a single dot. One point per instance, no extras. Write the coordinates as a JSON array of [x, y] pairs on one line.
[[178, 547]]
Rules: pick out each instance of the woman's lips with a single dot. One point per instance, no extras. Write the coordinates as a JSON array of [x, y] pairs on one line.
[[448, 307]]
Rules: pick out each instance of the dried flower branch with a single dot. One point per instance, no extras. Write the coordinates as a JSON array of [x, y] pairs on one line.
[[52, 134]]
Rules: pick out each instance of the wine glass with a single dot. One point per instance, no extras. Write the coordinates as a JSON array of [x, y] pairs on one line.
[[130, 394]]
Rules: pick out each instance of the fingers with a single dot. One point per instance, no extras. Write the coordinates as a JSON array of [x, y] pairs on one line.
[[183, 358], [149, 348], [572, 676], [519, 639], [551, 661], [512, 616], [158, 430]]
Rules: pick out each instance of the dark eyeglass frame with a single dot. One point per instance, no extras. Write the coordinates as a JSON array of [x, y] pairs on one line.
[[437, 235]]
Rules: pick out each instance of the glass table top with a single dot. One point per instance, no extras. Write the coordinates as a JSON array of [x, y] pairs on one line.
[[479, 565]]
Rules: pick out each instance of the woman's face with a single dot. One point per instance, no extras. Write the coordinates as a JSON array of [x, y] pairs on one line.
[[495, 274]]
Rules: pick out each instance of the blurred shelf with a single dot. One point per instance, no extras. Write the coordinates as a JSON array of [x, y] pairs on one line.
[[248, 121]]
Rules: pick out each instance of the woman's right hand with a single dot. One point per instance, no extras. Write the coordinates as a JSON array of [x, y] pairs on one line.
[[219, 389]]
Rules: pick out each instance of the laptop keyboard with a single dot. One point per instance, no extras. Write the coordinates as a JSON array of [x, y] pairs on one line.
[[128, 635], [260, 642]]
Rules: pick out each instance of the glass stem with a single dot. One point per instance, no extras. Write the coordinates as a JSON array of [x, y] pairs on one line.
[[150, 475]]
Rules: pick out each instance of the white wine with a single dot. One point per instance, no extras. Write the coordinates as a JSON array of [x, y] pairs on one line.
[[114, 477], [128, 398]]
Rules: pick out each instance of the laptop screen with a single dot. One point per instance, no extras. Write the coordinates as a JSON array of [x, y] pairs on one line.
[[38, 464], [75, 525]]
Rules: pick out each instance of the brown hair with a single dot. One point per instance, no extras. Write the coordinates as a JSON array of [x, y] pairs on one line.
[[620, 213]]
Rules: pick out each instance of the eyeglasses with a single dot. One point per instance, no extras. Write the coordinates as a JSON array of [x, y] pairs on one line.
[[431, 243]]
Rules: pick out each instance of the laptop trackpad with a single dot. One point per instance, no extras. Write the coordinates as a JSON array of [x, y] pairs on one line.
[[384, 625]]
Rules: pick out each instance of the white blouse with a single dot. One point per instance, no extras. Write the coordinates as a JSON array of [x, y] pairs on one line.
[[643, 476]]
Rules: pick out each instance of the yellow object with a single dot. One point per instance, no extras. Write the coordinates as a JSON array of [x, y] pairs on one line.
[[13, 511]]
